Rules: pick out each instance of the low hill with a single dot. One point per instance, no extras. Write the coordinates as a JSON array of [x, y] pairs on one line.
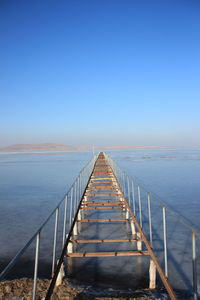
[[63, 147], [36, 147]]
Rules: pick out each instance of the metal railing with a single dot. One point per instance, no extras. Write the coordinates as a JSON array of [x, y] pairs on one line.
[[71, 201], [132, 191], [140, 200]]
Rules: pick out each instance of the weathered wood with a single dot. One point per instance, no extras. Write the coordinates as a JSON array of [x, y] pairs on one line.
[[101, 207], [95, 202], [104, 241], [103, 220], [102, 195], [103, 187], [103, 178], [107, 254]]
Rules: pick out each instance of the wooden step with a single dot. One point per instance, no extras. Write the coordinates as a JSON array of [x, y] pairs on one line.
[[102, 204], [101, 207], [104, 220], [107, 254], [101, 187], [105, 241], [102, 178], [96, 202], [103, 195]]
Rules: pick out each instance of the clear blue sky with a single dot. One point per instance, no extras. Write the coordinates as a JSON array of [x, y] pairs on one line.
[[102, 72]]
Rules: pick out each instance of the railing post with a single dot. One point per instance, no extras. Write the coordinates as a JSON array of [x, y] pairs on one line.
[[65, 220], [70, 215], [150, 224], [36, 265], [80, 184], [165, 240], [55, 241], [140, 205], [75, 195], [123, 183], [79, 189], [194, 266], [128, 186], [133, 193]]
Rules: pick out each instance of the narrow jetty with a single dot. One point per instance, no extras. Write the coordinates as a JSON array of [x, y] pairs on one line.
[[103, 192]]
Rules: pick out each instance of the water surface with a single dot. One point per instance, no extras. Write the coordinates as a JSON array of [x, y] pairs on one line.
[[31, 184]]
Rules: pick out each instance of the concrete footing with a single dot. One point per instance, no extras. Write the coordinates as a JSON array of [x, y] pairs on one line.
[[139, 242], [152, 275]]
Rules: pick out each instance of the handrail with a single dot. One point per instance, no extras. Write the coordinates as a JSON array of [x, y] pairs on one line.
[[161, 202], [123, 178], [84, 172], [72, 200]]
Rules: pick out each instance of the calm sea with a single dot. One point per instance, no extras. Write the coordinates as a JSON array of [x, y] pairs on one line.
[[31, 184]]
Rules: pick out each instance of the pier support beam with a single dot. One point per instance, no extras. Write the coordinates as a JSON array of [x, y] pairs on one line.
[[152, 275], [139, 242], [75, 230], [61, 275], [70, 247], [133, 231]]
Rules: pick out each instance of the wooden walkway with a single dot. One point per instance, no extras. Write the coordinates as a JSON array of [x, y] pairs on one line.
[[104, 193]]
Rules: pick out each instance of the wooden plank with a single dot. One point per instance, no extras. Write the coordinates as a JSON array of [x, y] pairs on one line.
[[104, 171], [107, 254], [115, 203], [102, 195], [103, 187], [101, 207], [103, 220], [105, 177], [103, 202], [104, 241]]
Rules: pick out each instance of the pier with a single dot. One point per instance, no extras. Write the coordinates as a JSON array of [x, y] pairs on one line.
[[102, 187]]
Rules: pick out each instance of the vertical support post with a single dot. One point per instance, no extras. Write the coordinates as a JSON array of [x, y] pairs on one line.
[[140, 205], [128, 186], [123, 183], [152, 275], [80, 184], [61, 274], [36, 265], [64, 220], [194, 266], [55, 241], [139, 241], [78, 189], [70, 215], [75, 196], [150, 224], [165, 240], [133, 193]]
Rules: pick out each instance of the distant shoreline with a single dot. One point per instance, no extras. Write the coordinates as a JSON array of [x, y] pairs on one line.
[[62, 147]]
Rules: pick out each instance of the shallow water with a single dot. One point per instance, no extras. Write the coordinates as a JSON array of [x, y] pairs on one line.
[[31, 184]]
